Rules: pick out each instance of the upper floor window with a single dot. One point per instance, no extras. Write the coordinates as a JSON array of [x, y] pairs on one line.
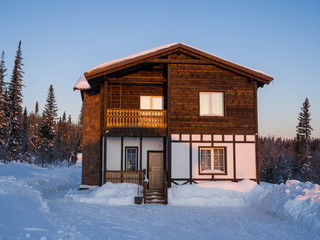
[[212, 104], [151, 102]]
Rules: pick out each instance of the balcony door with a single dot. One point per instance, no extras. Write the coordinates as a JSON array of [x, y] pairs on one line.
[[155, 169]]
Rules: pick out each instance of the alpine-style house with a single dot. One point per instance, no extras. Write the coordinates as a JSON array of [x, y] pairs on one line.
[[180, 114]]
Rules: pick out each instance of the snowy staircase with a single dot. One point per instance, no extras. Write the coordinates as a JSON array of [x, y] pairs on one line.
[[155, 196]]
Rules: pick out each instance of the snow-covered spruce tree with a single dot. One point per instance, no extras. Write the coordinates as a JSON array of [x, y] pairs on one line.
[[15, 108], [79, 127], [301, 168], [46, 130], [25, 137], [59, 148], [3, 108]]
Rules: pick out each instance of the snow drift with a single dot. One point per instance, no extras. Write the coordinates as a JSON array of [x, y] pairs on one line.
[[108, 194], [217, 194]]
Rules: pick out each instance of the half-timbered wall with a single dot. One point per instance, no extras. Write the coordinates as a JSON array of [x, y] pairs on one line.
[[115, 150], [240, 157]]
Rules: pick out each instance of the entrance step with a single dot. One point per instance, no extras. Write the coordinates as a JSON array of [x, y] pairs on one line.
[[155, 196]]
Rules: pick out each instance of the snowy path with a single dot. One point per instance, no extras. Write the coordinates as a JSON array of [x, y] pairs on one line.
[[90, 221], [34, 204]]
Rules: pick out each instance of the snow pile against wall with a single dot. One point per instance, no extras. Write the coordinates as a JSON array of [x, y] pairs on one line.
[[296, 201], [108, 194], [217, 194]]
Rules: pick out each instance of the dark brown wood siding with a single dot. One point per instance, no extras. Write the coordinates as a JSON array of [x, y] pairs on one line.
[[187, 81], [130, 94], [91, 161]]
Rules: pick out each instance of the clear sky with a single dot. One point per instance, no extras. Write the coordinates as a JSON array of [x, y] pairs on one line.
[[63, 39]]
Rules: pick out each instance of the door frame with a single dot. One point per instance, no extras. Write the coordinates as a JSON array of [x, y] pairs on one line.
[[154, 151]]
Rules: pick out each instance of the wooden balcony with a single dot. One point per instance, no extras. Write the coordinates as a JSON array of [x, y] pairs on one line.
[[136, 118]]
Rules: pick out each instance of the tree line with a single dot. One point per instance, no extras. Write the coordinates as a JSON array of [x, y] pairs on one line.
[[298, 158], [31, 137]]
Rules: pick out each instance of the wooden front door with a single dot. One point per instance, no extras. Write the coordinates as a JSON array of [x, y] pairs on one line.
[[155, 169]]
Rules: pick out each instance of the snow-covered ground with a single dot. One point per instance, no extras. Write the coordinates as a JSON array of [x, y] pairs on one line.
[[38, 203]]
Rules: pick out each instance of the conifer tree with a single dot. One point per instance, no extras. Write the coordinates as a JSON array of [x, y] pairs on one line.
[[46, 130], [15, 108], [302, 164], [3, 107]]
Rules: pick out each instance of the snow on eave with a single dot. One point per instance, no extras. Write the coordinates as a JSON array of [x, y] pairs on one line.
[[81, 84], [113, 64]]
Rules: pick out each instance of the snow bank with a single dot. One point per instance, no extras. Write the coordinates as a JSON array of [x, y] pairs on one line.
[[24, 211], [217, 194], [108, 194], [295, 201]]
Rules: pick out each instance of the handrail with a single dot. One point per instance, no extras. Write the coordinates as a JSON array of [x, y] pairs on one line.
[[136, 118]]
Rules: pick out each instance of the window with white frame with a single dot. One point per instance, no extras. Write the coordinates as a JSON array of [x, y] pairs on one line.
[[151, 102], [131, 158], [212, 160], [211, 104]]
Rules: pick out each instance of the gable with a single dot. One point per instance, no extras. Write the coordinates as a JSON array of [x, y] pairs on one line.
[[175, 53]]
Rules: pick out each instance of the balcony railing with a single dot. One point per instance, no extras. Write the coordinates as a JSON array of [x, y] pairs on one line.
[[136, 118]]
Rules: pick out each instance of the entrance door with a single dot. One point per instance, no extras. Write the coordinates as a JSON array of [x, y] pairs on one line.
[[155, 163]]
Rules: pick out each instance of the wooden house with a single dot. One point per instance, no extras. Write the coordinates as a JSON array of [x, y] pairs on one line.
[[180, 113]]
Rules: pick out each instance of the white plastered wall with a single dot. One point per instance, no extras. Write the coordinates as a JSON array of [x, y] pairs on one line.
[[229, 160], [113, 153], [180, 160], [246, 160]]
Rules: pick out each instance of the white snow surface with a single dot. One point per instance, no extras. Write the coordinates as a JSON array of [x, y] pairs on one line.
[[82, 83], [44, 203]]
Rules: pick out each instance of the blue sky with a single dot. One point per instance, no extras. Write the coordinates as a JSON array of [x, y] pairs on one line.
[[63, 39]]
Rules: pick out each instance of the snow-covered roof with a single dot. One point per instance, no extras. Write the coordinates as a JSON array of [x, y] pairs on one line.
[[113, 65], [81, 84], [133, 56]]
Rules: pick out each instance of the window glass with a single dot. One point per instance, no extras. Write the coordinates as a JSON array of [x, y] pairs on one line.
[[151, 102], [145, 102], [212, 160], [157, 103], [131, 159], [205, 159], [205, 104], [211, 104]]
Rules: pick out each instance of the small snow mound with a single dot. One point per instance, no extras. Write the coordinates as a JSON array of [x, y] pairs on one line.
[[108, 194], [218, 194], [81, 84]]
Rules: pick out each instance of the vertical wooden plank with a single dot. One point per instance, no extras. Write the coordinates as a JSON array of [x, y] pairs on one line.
[[121, 153], [190, 159], [256, 129], [168, 75], [140, 153], [234, 160]]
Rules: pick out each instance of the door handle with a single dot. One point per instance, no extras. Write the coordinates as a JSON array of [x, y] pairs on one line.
[[149, 169]]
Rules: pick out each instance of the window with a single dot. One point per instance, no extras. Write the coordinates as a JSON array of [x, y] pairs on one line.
[[212, 160], [131, 158], [212, 104], [151, 102]]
